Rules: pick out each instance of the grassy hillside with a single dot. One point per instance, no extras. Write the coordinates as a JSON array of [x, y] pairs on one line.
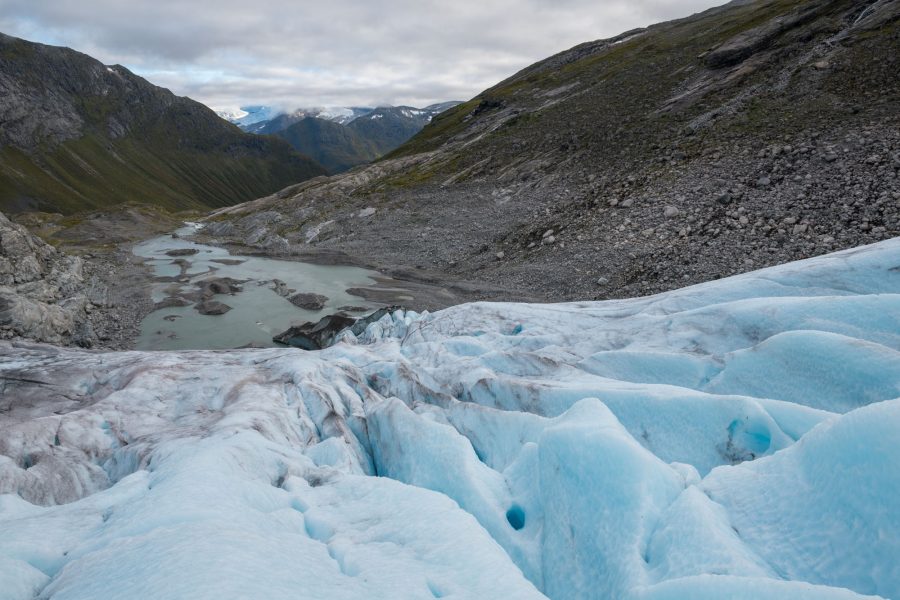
[[758, 68]]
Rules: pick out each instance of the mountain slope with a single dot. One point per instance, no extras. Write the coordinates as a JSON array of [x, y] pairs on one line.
[[76, 134], [747, 135], [334, 146], [744, 69], [390, 126]]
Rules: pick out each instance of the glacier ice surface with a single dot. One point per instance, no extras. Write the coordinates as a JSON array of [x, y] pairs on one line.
[[735, 439]]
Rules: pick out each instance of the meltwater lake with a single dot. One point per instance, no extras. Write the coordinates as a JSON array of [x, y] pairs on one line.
[[257, 312]]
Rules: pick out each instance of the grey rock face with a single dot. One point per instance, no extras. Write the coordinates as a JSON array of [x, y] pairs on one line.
[[42, 291], [753, 40], [48, 114]]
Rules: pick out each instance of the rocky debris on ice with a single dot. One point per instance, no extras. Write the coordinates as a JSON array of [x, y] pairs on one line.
[[315, 336], [328, 329]]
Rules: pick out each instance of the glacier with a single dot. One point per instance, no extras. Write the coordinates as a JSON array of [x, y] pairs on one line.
[[735, 439]]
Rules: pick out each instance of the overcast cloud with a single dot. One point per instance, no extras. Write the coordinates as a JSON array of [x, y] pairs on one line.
[[229, 53]]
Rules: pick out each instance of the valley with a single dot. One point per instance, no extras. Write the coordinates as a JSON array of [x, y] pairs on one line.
[[625, 325], [576, 180], [570, 181]]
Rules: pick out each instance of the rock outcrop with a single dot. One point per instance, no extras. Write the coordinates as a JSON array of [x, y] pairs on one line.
[[309, 301], [42, 290]]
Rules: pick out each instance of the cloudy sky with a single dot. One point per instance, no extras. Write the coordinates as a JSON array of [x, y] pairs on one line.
[[228, 53]]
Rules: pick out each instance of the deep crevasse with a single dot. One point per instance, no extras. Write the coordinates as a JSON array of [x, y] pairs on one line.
[[734, 439]]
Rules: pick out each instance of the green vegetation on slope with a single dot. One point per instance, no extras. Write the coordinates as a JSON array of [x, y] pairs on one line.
[[744, 69], [340, 146], [335, 146], [76, 135]]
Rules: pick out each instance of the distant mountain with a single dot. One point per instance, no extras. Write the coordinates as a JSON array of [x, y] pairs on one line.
[[334, 146], [278, 121], [247, 116], [76, 134], [390, 126], [342, 137]]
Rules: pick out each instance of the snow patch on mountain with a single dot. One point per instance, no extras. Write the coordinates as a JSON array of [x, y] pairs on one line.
[[231, 114], [735, 439], [245, 116], [336, 113]]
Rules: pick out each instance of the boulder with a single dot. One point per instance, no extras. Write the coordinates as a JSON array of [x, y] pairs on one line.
[[182, 252], [42, 290], [308, 301], [212, 307], [170, 302], [219, 285], [280, 288]]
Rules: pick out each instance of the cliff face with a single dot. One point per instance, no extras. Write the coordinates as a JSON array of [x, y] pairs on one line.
[[42, 291], [76, 134]]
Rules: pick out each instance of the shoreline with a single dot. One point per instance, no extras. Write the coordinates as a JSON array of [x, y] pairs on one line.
[[128, 282], [431, 290]]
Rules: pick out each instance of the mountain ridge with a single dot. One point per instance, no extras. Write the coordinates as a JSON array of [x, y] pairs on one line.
[[76, 135], [340, 138]]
